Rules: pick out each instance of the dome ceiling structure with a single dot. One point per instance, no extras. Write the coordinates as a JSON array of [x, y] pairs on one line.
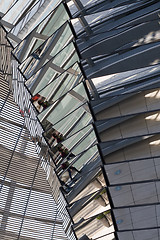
[[84, 128]]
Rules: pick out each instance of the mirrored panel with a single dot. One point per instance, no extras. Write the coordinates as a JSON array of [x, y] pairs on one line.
[[64, 108], [96, 226], [92, 7], [55, 137], [89, 181], [124, 83], [40, 34], [89, 190], [16, 11], [5, 6], [76, 151], [81, 140], [38, 9], [75, 121], [63, 83], [85, 24], [71, 123], [49, 75], [56, 89], [73, 170], [83, 207], [53, 47]]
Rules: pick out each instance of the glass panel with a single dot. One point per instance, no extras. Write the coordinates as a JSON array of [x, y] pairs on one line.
[[54, 136], [88, 157], [75, 99], [26, 19], [94, 226], [84, 158], [45, 29], [5, 6], [16, 11], [81, 140], [67, 56], [87, 198], [82, 132], [74, 122], [53, 85], [100, 201], [56, 89], [51, 48], [76, 145]]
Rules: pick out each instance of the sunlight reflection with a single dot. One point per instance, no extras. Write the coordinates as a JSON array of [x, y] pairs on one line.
[[155, 117], [157, 142], [154, 94], [156, 61]]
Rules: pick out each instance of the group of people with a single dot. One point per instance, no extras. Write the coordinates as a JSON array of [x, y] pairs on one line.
[[40, 101], [65, 154], [56, 136]]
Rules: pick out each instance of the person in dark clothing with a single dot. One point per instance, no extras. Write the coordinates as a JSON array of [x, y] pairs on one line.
[[43, 103], [65, 165], [59, 137], [35, 55], [68, 188]]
